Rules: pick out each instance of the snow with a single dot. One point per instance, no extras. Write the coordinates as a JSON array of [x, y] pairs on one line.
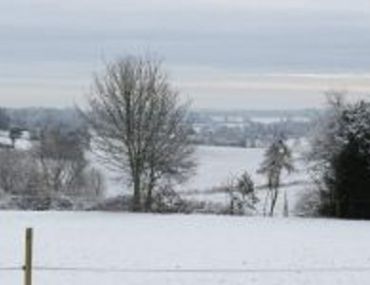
[[276, 251], [216, 166], [271, 120], [205, 249], [22, 143]]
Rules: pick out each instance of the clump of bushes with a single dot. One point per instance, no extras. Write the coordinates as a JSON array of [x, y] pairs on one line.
[[52, 174]]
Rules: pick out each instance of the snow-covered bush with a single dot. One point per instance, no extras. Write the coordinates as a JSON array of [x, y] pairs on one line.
[[242, 198], [166, 200], [310, 204]]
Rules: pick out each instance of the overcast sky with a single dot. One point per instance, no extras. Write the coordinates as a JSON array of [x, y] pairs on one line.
[[222, 54]]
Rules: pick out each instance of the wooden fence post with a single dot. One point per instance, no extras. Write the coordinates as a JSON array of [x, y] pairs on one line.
[[28, 257]]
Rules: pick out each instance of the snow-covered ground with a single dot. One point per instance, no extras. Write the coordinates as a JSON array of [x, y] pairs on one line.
[[271, 251], [23, 143], [96, 248], [217, 165]]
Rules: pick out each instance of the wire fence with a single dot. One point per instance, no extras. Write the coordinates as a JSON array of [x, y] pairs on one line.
[[29, 268], [11, 268], [192, 270]]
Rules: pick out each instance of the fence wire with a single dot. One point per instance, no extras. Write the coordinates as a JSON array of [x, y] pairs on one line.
[[15, 268], [192, 270]]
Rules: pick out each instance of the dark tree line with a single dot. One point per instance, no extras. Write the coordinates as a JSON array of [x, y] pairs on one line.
[[341, 159]]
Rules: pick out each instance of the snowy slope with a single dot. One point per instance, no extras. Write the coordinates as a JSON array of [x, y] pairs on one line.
[[276, 251], [217, 165]]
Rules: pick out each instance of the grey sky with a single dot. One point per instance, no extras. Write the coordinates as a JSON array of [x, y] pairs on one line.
[[222, 54]]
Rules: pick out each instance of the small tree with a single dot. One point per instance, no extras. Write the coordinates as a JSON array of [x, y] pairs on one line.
[[59, 158], [17, 172], [139, 126], [245, 186], [278, 157], [241, 192], [15, 134]]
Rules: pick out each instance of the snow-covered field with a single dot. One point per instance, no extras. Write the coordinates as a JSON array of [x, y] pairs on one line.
[[96, 248], [221, 249], [217, 165]]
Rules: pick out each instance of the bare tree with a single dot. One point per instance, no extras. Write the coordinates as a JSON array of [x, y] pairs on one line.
[[63, 170], [16, 171], [53, 172], [139, 125], [60, 160]]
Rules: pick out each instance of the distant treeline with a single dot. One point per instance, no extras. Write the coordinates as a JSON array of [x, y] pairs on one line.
[[215, 127], [35, 119], [247, 114], [249, 128]]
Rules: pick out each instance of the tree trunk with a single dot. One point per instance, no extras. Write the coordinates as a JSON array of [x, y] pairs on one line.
[[273, 201], [149, 200], [286, 205], [137, 194], [232, 206], [266, 202], [149, 196]]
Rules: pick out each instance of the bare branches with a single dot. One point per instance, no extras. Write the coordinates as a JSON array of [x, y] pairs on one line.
[[139, 125]]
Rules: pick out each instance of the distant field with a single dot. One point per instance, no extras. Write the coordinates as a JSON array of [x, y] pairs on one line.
[[216, 165]]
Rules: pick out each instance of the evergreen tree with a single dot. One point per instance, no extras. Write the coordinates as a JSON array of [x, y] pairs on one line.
[[278, 157], [343, 168]]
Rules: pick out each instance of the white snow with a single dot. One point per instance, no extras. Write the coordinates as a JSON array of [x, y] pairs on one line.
[[281, 251], [115, 248], [271, 120], [216, 166]]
